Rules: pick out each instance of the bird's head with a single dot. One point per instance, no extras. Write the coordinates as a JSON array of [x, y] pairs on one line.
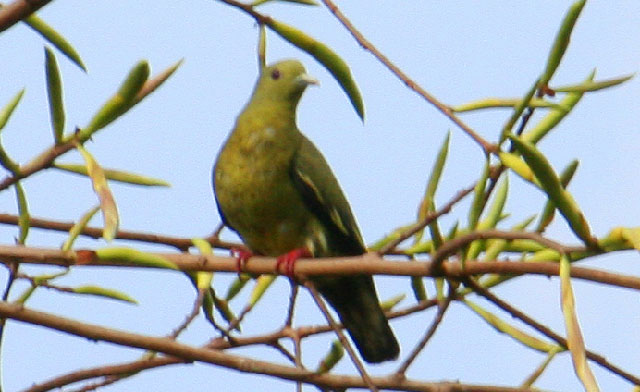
[[283, 81]]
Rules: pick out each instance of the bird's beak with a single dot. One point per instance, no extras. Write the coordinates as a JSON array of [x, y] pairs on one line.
[[306, 79]]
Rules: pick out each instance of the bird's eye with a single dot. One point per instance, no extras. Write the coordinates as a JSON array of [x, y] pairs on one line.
[[275, 74]]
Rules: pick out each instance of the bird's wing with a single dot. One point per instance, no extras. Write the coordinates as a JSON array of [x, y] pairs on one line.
[[321, 192]]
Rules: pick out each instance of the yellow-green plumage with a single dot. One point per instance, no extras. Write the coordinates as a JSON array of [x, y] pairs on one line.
[[276, 190]]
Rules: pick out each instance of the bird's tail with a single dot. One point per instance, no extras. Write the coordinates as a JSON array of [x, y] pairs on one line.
[[356, 301]]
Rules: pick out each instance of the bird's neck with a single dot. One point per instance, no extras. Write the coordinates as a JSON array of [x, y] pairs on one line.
[[269, 113]]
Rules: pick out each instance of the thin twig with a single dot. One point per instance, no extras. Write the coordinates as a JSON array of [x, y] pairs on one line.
[[96, 232], [343, 339], [426, 221], [444, 109], [197, 304], [599, 359], [442, 308]]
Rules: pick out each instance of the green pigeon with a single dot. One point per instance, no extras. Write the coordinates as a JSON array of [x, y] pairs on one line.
[[276, 190]]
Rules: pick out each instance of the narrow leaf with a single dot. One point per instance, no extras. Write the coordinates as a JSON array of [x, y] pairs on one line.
[[105, 293], [152, 84], [508, 329], [561, 42], [262, 47], [390, 303], [237, 285], [101, 188], [492, 103], [427, 204], [554, 190], [203, 278], [78, 227], [128, 255], [54, 92], [325, 56], [262, 284], [591, 85], [554, 117], [478, 197], [24, 219], [115, 175], [549, 208], [119, 103], [8, 109], [518, 166], [335, 354], [575, 341], [541, 368], [493, 217], [57, 40]]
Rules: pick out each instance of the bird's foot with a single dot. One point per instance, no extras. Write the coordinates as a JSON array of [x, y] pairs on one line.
[[289, 260], [242, 256]]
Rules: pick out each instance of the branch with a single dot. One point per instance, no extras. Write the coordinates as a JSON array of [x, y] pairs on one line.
[[96, 233], [369, 263], [444, 109], [217, 357], [18, 10], [599, 359]]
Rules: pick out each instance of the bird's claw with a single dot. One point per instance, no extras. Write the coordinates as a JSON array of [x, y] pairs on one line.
[[242, 256], [289, 260]]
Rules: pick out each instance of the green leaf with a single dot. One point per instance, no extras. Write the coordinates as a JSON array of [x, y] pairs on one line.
[[549, 208], [54, 92], [478, 197], [506, 328], [575, 341], [129, 255], [428, 201], [325, 56], [119, 103], [104, 292], [24, 219], [561, 42], [590, 85], [554, 117], [57, 40], [262, 284], [262, 47], [8, 109], [78, 227], [554, 189], [333, 356], [237, 285], [492, 103], [390, 303], [518, 166], [115, 175], [493, 217], [541, 368], [101, 188], [203, 278]]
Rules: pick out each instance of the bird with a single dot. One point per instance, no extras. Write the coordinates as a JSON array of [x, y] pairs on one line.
[[276, 190]]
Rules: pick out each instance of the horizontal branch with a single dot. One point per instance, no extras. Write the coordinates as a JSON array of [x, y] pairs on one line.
[[231, 361], [369, 263], [96, 233]]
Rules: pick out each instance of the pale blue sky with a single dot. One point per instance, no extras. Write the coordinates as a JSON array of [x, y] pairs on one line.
[[457, 50]]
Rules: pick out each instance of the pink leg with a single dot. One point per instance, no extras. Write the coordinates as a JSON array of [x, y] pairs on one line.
[[242, 256], [289, 259]]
